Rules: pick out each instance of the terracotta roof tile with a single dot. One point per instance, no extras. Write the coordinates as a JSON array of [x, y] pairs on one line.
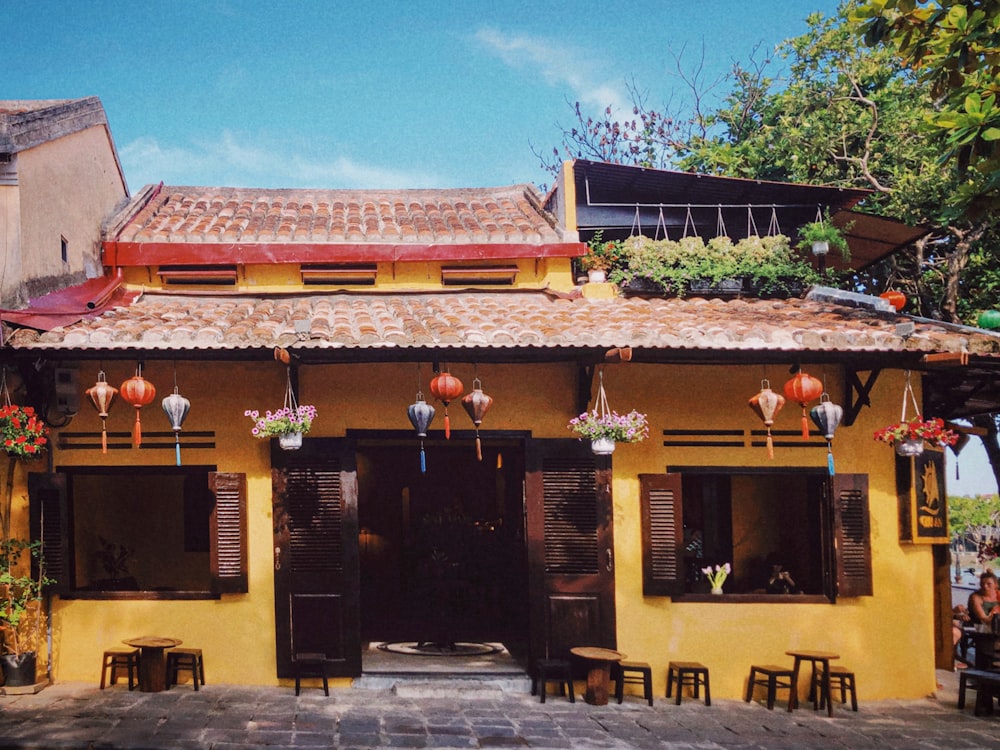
[[522, 320], [224, 215]]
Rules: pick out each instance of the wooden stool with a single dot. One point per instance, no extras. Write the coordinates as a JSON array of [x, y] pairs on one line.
[[690, 673], [987, 687], [556, 670], [120, 658], [842, 678], [185, 660], [774, 678], [310, 665], [636, 673]]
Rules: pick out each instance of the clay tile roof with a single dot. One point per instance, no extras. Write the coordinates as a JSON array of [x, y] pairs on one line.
[[379, 326], [204, 218]]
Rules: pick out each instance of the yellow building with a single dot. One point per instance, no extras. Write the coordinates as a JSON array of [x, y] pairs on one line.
[[512, 530]]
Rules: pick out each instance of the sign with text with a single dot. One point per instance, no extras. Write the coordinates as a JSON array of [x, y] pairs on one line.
[[923, 501]]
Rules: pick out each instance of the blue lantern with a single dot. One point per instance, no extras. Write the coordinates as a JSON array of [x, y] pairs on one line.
[[421, 413], [827, 415]]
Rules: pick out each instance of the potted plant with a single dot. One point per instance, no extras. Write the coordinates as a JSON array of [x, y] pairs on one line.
[[822, 235], [718, 576], [606, 429], [22, 618], [288, 424], [908, 436], [599, 258]]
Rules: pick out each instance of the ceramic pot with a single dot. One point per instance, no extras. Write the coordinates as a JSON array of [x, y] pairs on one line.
[[291, 441], [602, 446], [597, 276], [717, 591], [910, 448], [18, 671]]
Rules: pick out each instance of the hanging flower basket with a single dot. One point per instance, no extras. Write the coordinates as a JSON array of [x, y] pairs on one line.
[[908, 436], [288, 424], [603, 426], [24, 435]]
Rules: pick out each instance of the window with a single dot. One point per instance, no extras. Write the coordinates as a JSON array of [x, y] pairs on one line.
[[64, 249], [814, 525], [154, 531]]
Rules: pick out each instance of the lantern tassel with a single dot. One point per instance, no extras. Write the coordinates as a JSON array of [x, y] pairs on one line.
[[479, 447], [423, 459], [447, 424], [104, 436], [137, 431], [770, 444], [177, 447], [829, 458], [805, 424]]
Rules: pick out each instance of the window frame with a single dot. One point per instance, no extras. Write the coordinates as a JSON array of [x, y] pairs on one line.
[[50, 515], [845, 535]]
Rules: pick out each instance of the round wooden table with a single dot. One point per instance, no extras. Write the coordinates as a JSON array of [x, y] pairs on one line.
[[599, 662], [152, 661], [814, 658]]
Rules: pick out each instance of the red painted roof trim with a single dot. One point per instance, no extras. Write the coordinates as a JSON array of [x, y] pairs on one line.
[[119, 254]]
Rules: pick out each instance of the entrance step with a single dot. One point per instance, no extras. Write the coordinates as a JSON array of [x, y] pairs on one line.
[[471, 686]]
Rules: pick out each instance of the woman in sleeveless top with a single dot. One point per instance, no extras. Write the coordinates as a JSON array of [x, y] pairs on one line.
[[983, 603]]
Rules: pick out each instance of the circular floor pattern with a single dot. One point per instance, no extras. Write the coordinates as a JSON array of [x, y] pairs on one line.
[[433, 648]]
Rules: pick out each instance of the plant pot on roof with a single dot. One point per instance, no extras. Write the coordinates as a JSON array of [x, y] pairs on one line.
[[599, 258], [763, 266], [288, 423], [605, 428]]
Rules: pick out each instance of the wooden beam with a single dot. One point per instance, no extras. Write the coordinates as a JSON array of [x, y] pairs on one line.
[[858, 393], [584, 385]]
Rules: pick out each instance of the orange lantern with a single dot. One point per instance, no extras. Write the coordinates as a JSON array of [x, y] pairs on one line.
[[894, 298], [139, 392], [102, 393], [445, 387], [766, 405], [802, 389]]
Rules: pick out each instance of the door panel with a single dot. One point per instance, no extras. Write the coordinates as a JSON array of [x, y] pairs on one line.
[[316, 573], [570, 547]]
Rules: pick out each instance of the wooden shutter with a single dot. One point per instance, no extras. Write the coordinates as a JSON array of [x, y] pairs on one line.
[[570, 516], [228, 532], [662, 534], [852, 539], [48, 520]]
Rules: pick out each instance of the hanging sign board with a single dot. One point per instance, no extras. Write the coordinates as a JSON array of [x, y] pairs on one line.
[[923, 501]]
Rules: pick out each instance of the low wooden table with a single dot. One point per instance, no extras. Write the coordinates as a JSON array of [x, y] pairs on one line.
[[152, 661], [599, 672], [814, 658]]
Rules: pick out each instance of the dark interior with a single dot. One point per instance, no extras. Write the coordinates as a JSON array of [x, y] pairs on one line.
[[443, 554]]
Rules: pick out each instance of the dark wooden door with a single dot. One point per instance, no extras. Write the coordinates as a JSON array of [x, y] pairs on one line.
[[316, 574], [570, 547]]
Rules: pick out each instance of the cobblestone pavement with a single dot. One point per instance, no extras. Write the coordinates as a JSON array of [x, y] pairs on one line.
[[77, 715]]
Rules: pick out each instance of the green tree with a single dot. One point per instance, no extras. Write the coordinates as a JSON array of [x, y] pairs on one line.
[[954, 47]]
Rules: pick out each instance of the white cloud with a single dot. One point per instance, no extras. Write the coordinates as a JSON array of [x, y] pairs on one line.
[[559, 65], [234, 161]]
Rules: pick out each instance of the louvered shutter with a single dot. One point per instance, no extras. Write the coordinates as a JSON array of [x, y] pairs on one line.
[[852, 543], [228, 532], [662, 534], [48, 519], [570, 516]]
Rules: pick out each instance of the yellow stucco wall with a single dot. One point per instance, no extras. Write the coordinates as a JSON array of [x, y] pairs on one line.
[[887, 639]]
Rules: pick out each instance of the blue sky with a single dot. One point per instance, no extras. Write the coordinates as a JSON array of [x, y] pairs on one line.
[[332, 94]]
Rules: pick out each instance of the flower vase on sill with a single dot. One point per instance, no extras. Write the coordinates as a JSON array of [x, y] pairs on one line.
[[717, 576]]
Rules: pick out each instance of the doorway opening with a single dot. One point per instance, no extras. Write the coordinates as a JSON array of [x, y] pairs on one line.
[[443, 557]]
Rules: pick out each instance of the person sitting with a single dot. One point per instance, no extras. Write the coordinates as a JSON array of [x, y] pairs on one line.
[[983, 602], [781, 581]]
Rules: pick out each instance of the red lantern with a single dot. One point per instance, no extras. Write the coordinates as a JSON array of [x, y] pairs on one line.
[[445, 387], [102, 393], [477, 404], [765, 405], [802, 389], [894, 298], [138, 392]]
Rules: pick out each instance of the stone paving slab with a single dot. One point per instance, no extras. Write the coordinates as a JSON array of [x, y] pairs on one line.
[[220, 717]]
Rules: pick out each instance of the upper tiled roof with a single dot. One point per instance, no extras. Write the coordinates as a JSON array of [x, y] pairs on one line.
[[354, 325], [26, 123], [213, 220]]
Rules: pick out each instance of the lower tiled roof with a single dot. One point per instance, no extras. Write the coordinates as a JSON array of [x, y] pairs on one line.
[[320, 325]]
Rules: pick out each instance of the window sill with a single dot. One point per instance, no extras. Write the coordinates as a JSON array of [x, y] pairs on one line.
[[754, 598], [162, 595]]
